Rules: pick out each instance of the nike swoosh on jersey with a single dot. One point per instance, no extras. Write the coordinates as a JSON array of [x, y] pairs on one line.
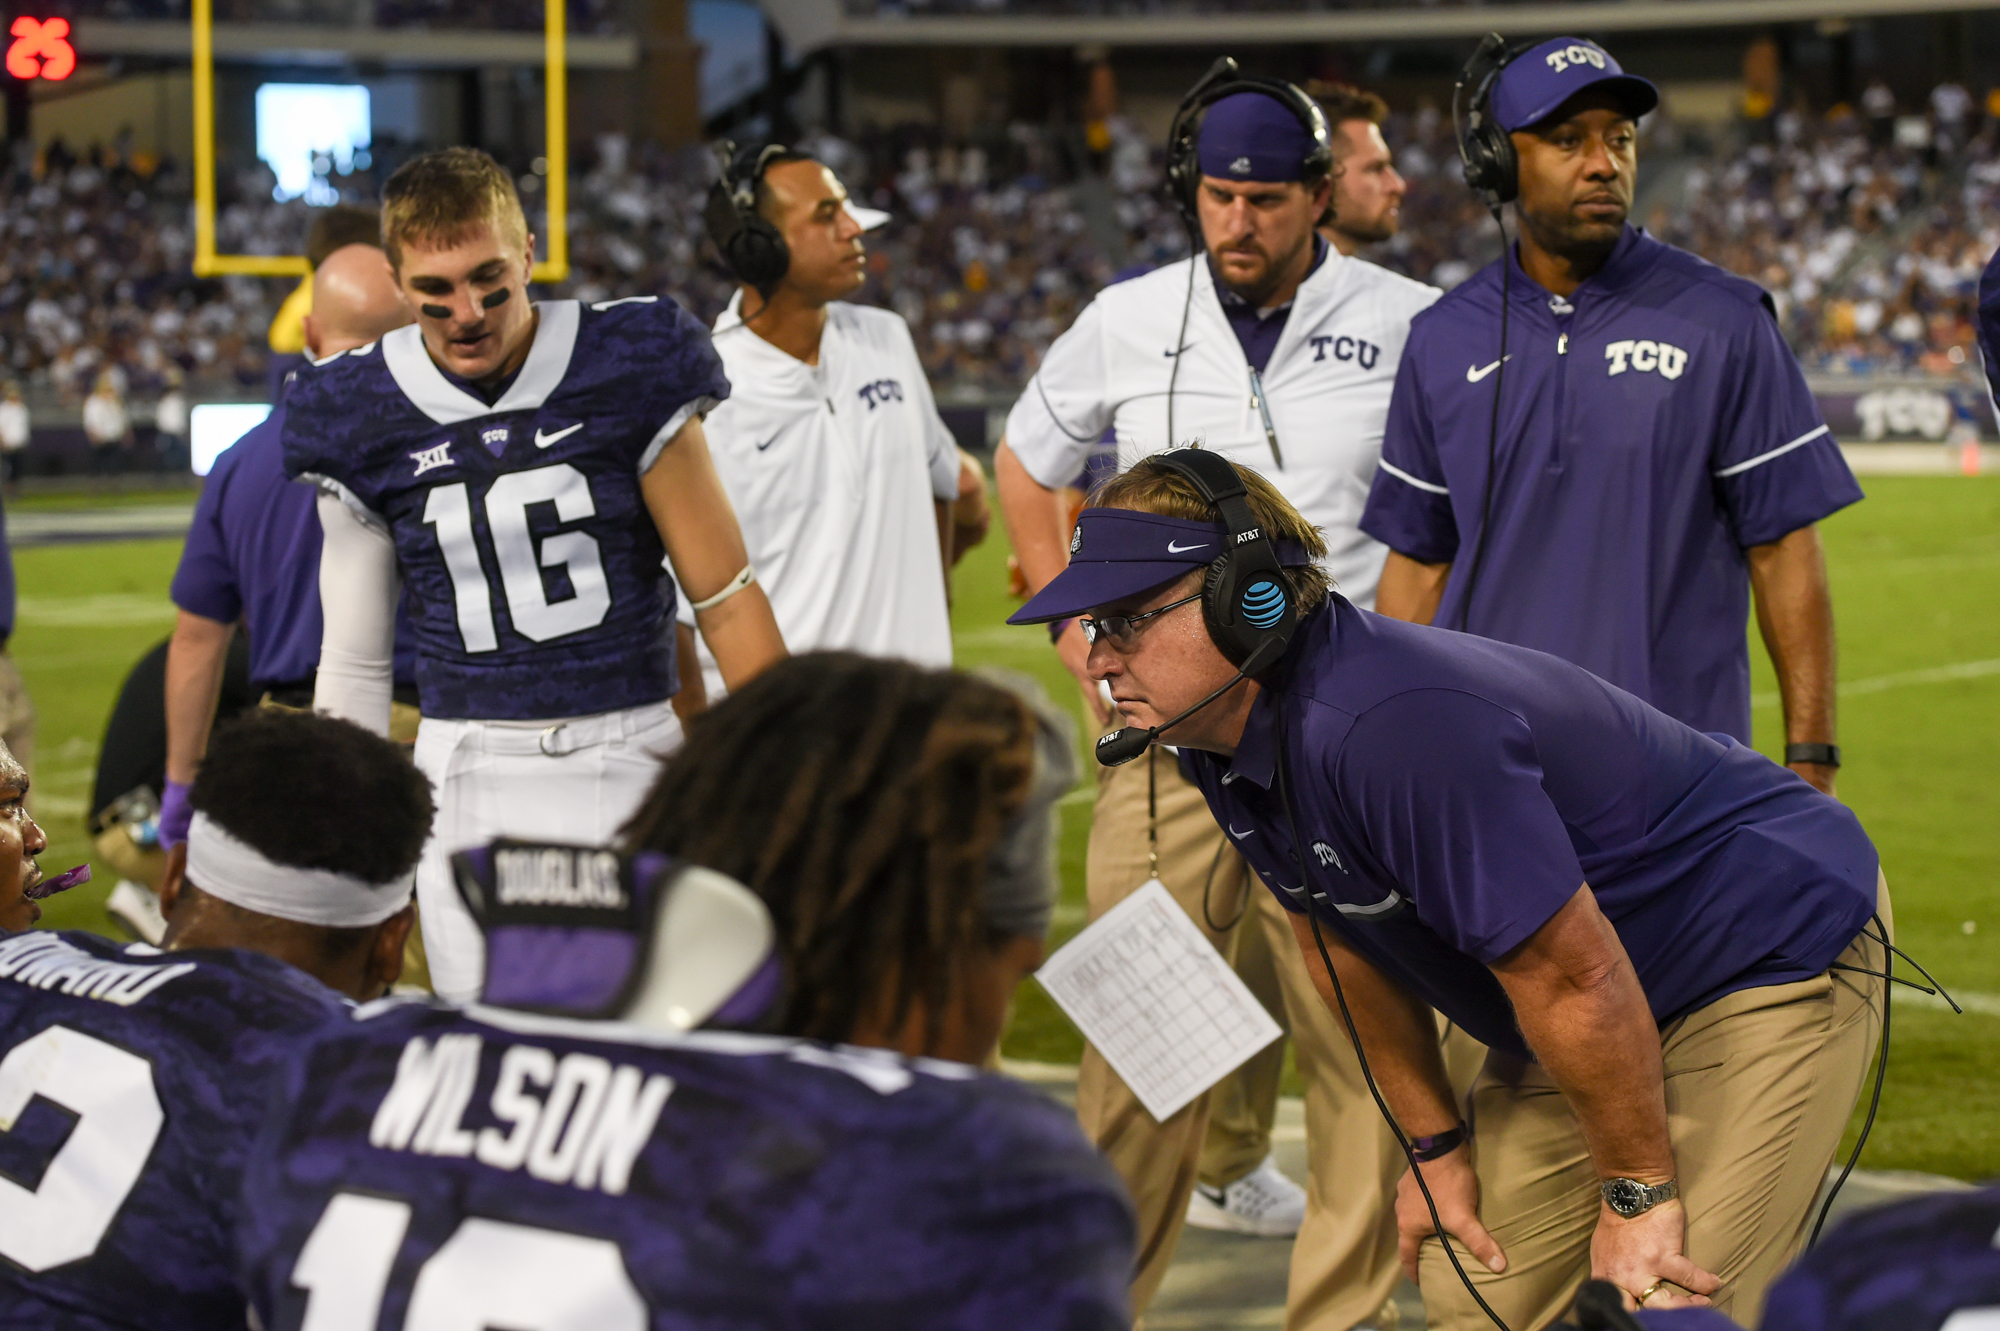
[[768, 442], [1240, 835], [544, 439], [1183, 347], [1473, 376], [1174, 549]]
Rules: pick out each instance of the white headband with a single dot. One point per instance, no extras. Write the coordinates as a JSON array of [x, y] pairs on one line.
[[226, 868]]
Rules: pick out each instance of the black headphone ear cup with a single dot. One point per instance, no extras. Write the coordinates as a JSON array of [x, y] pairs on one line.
[[758, 253], [1490, 155], [1215, 593]]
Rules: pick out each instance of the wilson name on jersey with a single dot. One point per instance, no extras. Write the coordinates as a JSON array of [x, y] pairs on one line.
[[132, 1083], [429, 1168], [533, 567]]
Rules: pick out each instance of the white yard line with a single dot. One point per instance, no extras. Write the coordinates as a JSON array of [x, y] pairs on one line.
[[1855, 688]]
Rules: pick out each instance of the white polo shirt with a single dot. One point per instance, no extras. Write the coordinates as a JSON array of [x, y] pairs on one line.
[[835, 471], [1326, 389]]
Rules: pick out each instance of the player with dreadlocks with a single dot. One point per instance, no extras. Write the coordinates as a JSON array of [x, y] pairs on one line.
[[850, 1165]]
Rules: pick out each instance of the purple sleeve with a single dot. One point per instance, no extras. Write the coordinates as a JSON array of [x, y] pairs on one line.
[[1448, 789], [1409, 507], [1777, 467], [205, 583]]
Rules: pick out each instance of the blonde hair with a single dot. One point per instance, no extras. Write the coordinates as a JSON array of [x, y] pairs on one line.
[[443, 195], [1151, 488]]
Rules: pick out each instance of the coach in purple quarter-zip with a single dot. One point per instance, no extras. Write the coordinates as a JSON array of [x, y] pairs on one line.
[[1641, 455]]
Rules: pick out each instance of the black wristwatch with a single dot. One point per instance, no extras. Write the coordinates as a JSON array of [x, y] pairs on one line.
[[1629, 1197], [1822, 755]]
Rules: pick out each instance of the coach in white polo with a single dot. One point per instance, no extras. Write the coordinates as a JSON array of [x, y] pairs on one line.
[[1273, 349], [830, 445]]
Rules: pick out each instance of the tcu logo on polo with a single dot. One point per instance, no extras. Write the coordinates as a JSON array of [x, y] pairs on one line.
[[1347, 348], [1575, 55], [1328, 856], [1662, 358], [882, 390]]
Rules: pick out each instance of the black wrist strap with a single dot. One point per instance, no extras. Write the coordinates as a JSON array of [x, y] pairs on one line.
[[1823, 755], [1436, 1147]]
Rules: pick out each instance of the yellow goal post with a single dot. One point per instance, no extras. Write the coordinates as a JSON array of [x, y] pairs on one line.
[[207, 263]]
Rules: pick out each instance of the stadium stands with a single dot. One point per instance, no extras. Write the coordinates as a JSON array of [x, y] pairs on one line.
[[1870, 247]]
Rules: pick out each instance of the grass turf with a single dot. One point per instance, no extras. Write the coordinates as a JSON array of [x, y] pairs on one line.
[[1916, 576]]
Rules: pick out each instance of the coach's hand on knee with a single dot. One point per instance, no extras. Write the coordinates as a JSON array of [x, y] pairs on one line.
[[1646, 1257], [1455, 1189]]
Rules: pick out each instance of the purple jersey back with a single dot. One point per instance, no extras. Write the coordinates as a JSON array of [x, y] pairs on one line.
[[554, 1174], [131, 1085], [1906, 1267], [533, 568]]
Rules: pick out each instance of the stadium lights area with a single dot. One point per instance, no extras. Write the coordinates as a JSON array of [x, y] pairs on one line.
[[306, 129], [214, 426]]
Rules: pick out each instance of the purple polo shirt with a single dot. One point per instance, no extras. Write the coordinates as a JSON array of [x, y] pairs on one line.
[[1652, 427], [1454, 793], [252, 554]]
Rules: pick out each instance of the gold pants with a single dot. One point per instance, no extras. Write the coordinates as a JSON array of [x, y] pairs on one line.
[[1759, 1087], [1344, 1259]]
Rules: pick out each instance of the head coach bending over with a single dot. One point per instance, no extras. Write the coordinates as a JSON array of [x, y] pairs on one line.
[[1642, 452], [1637, 918]]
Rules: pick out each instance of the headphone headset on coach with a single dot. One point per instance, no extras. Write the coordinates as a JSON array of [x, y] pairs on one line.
[[1225, 79], [749, 242], [1246, 601], [1492, 167]]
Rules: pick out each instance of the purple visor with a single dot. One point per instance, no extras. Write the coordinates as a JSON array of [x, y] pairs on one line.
[[1116, 553]]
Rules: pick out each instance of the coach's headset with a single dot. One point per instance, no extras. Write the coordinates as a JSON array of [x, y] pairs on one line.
[[1225, 79], [1246, 601], [749, 242]]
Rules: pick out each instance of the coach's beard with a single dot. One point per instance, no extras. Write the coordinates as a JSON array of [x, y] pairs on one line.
[[1256, 294]]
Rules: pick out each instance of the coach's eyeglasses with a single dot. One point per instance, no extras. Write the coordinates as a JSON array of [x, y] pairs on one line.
[[1122, 630]]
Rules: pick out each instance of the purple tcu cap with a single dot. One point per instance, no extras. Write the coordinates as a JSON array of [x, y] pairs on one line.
[[1540, 79], [1116, 552]]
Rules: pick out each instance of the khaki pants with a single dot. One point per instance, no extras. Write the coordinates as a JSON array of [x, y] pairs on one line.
[[1759, 1087], [1344, 1259]]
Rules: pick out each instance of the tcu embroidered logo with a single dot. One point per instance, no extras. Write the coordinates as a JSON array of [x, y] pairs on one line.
[[495, 438], [430, 459], [1327, 855], [1076, 540], [1240, 167], [882, 390], [1347, 348], [1662, 358], [1575, 55]]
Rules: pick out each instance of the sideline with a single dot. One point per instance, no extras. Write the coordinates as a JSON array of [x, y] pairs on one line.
[[1856, 688]]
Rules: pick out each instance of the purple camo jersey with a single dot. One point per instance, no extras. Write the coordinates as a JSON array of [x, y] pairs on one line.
[[533, 568], [131, 1085]]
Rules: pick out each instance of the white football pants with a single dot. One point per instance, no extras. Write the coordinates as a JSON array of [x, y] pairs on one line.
[[572, 782]]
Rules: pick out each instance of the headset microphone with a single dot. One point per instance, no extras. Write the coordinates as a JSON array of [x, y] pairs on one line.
[[1122, 746]]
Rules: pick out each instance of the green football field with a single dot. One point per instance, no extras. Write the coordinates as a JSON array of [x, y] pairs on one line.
[[1916, 575]]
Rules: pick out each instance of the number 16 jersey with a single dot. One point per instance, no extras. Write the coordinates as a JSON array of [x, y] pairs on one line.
[[533, 568]]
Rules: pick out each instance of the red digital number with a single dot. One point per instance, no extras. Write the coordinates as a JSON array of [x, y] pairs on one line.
[[41, 49]]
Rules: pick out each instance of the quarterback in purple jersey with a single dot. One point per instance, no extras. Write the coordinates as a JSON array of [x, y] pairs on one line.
[[132, 1080], [571, 1155], [521, 469]]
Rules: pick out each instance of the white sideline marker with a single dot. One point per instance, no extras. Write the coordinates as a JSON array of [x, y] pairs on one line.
[[1151, 992]]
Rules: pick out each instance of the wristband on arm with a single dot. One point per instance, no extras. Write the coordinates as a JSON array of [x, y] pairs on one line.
[[1436, 1147], [1822, 755], [175, 814]]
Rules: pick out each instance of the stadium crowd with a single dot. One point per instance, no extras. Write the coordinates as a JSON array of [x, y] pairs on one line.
[[1871, 245]]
